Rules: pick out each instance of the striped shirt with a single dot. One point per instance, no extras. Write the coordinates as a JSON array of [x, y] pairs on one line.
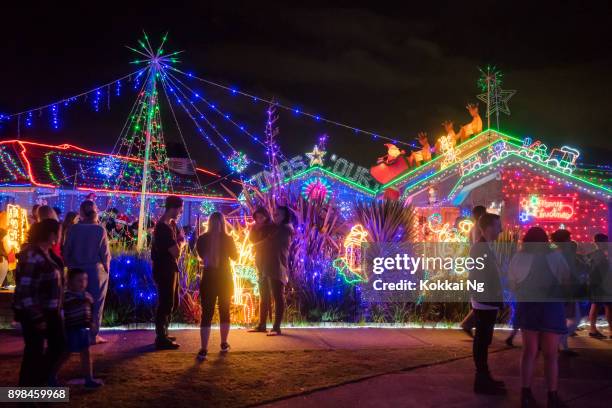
[[77, 309]]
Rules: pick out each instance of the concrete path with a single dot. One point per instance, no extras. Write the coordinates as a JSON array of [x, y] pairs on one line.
[[586, 380], [295, 339], [292, 339]]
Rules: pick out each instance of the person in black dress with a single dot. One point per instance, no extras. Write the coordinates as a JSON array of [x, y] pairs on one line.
[[215, 248]]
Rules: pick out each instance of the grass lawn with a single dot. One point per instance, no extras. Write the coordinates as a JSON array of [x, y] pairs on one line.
[[237, 379]]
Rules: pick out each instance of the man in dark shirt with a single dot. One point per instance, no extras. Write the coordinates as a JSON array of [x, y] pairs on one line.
[[168, 241]]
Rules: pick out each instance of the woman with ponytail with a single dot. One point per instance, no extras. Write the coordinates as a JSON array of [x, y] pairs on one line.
[[86, 248], [215, 248]]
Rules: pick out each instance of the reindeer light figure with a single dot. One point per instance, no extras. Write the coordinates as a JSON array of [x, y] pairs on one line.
[[474, 127]]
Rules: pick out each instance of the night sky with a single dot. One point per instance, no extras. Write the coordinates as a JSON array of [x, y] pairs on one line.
[[391, 71]]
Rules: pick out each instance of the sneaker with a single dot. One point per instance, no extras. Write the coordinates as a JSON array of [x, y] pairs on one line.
[[201, 355], [166, 344], [258, 329], [171, 338], [596, 335], [225, 347], [92, 384], [274, 332]]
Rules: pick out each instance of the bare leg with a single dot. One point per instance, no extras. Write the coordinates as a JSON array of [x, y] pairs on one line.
[[528, 357], [550, 346], [56, 368], [86, 365], [593, 317], [468, 321], [224, 328], [572, 324], [204, 336]]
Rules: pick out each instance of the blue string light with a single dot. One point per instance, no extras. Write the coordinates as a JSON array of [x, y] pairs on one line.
[[132, 283], [216, 109], [295, 110], [96, 100], [55, 116]]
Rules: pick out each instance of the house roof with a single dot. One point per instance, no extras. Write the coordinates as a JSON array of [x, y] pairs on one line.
[[70, 167], [478, 156]]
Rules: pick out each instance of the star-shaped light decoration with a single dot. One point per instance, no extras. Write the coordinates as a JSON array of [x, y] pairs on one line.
[[499, 100], [316, 156]]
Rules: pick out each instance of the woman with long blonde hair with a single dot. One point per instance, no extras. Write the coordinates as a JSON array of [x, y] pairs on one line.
[[215, 248]]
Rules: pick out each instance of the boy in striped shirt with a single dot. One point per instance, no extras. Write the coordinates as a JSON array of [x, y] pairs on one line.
[[77, 320]]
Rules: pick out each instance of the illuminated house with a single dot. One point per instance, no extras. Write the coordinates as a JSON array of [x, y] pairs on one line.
[[318, 177], [64, 175], [522, 180]]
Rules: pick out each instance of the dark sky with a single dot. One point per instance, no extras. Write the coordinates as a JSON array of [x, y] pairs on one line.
[[391, 71]]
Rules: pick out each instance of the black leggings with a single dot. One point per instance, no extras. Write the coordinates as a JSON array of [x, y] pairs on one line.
[[210, 291]]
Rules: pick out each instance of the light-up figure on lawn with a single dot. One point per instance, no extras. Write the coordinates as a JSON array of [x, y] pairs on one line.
[[349, 264]]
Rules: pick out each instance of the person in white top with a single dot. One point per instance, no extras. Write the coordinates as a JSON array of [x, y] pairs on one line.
[[487, 304], [538, 276], [469, 321]]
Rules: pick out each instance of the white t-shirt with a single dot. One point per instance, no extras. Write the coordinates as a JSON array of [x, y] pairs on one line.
[[520, 265], [476, 234]]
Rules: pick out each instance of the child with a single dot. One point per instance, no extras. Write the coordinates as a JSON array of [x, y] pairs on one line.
[[77, 317]]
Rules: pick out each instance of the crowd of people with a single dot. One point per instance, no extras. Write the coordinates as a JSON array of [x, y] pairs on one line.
[[271, 238], [62, 309], [548, 279], [63, 275]]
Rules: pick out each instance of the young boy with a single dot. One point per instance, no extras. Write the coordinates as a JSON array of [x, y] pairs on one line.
[[77, 317]]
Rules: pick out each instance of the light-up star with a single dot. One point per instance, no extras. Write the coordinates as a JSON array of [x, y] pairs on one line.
[[499, 101], [316, 156]]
